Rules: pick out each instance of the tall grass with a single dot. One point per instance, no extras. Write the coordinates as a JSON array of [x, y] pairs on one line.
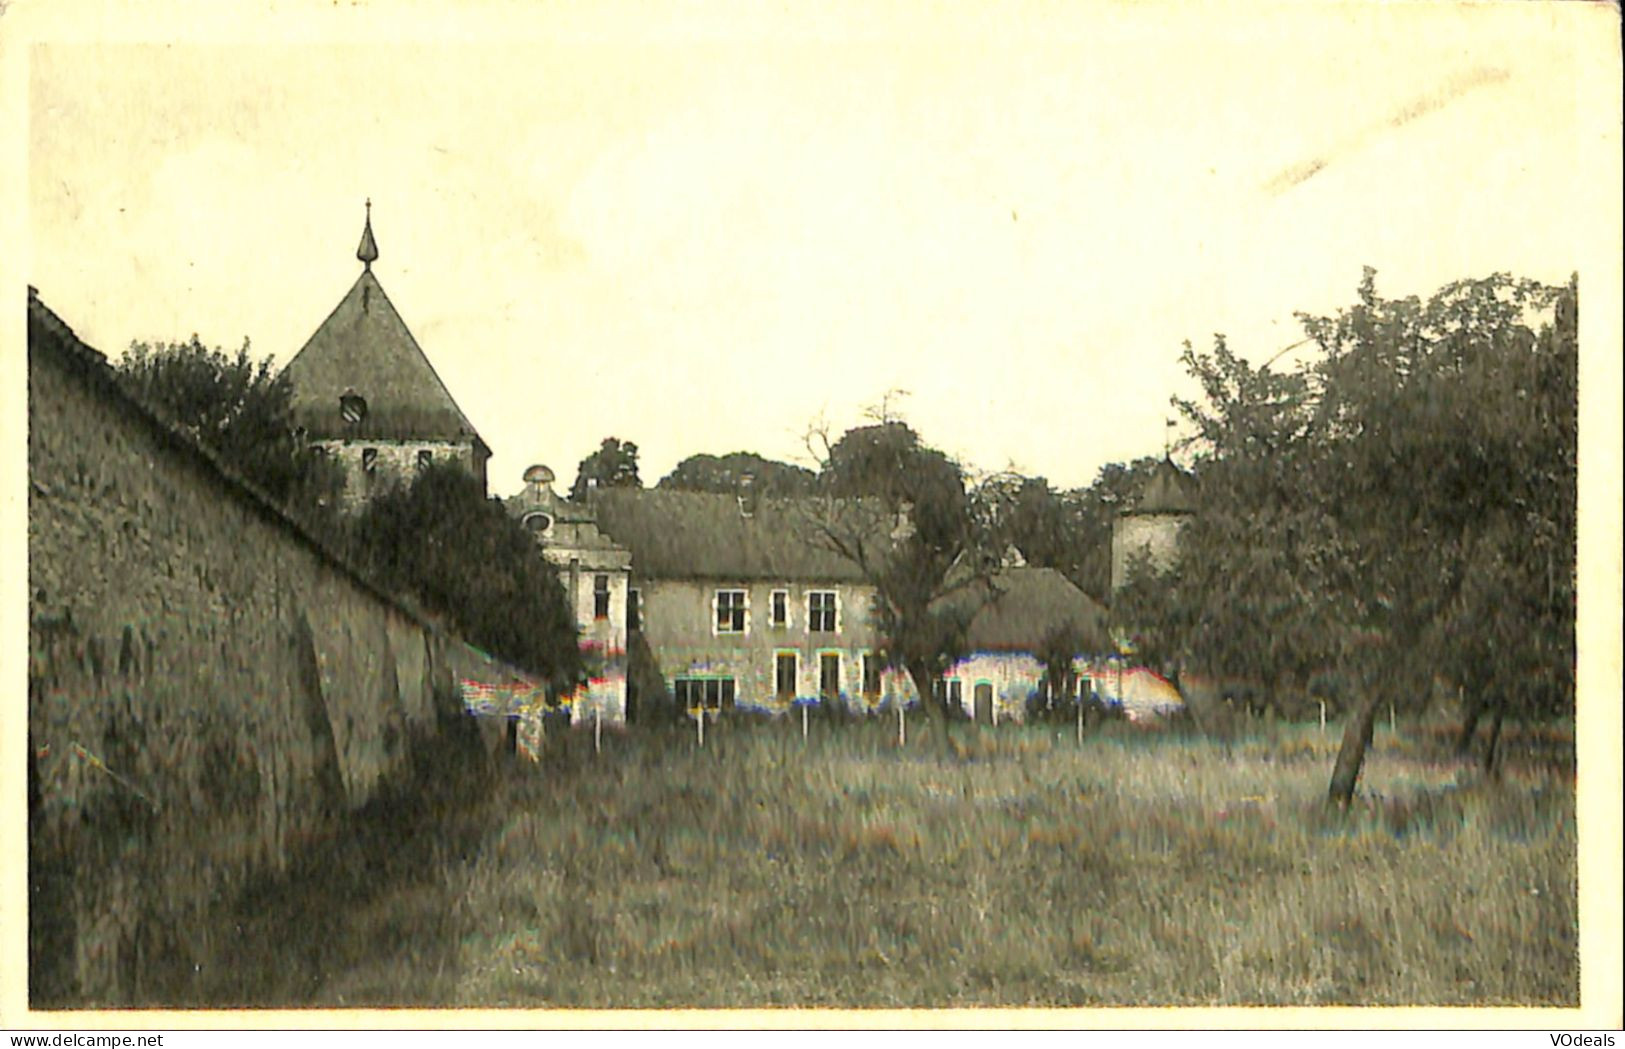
[[1136, 869]]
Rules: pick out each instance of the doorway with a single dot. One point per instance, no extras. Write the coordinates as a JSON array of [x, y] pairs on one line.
[[984, 702]]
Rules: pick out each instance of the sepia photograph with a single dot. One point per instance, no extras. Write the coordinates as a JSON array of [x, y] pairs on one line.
[[857, 511]]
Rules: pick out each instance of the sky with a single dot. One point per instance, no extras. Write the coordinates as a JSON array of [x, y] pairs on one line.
[[708, 229]]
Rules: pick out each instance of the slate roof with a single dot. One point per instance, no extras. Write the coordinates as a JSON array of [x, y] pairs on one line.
[[1029, 604], [705, 535], [1169, 491], [365, 346]]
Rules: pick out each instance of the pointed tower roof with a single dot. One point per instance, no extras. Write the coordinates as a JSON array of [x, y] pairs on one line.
[[365, 353], [367, 251], [1169, 491]]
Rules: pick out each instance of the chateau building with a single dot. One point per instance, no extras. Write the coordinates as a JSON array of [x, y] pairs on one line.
[[364, 390], [737, 608]]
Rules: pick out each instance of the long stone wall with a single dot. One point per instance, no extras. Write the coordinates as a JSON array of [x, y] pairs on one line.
[[209, 688]]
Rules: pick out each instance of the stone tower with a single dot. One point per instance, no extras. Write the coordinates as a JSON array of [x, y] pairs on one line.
[[365, 391], [1152, 525]]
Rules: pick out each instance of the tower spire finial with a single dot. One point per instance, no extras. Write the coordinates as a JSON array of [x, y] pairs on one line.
[[368, 251]]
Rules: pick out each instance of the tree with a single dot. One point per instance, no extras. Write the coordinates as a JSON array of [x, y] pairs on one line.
[[1456, 421], [1025, 513], [240, 410], [900, 512], [613, 465], [725, 473], [1057, 653], [1400, 509], [464, 557]]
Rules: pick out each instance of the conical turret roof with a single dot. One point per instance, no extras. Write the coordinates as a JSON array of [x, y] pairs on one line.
[[365, 350], [1169, 491]]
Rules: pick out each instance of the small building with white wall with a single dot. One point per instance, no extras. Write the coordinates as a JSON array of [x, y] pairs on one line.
[[1024, 608]]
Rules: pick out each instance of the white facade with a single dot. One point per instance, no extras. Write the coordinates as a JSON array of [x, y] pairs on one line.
[[1008, 680]]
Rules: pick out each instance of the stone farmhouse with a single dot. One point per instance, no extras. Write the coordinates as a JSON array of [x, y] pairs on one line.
[[739, 610]]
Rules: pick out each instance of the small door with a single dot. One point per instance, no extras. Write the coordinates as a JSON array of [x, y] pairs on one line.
[[984, 701]]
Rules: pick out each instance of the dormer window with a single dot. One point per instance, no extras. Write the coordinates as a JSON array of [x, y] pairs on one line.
[[353, 407]]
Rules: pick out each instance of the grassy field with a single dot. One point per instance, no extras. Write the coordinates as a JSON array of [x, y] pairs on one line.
[[1140, 868]]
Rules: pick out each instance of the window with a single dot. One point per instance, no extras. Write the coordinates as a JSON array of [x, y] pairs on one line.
[[821, 608], [353, 407], [829, 675], [425, 457], [634, 610], [778, 611], [369, 460], [784, 675], [871, 675], [537, 521], [600, 597], [949, 692], [730, 611], [712, 693]]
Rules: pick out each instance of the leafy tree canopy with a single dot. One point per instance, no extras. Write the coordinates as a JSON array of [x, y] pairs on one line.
[[464, 557], [899, 509], [1071, 531], [724, 473], [1401, 508], [239, 409], [613, 465]]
